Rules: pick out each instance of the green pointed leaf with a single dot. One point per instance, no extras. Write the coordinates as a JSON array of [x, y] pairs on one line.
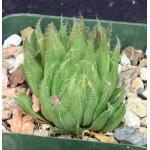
[[25, 103], [63, 35], [32, 71], [115, 119], [101, 120], [102, 54]]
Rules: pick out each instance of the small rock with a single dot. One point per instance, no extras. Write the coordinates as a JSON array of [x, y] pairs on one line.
[[131, 94], [41, 132], [143, 122], [134, 100], [44, 130], [27, 125], [8, 92], [139, 110], [131, 120], [142, 93], [8, 63], [14, 40], [9, 103], [12, 103], [103, 138], [21, 124], [127, 73], [125, 60], [16, 121], [85, 132], [134, 104], [11, 51], [137, 83], [18, 61], [6, 114], [133, 54], [130, 136], [16, 78], [143, 73], [143, 131]]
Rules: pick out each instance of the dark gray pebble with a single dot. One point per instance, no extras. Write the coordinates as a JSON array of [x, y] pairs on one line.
[[129, 136]]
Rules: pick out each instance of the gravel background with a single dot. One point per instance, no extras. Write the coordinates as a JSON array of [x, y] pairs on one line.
[[118, 10]]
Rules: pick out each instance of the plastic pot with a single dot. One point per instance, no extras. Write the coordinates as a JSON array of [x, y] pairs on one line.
[[130, 34]]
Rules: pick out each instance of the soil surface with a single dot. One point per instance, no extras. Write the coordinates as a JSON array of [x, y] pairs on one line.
[[125, 10]]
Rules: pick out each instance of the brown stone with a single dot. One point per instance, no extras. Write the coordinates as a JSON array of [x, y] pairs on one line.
[[103, 138], [16, 78], [6, 114], [134, 55], [8, 92], [21, 124]]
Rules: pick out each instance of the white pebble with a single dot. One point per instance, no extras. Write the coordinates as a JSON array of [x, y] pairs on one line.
[[131, 120], [133, 101], [44, 130], [125, 60], [143, 73], [14, 39], [19, 60]]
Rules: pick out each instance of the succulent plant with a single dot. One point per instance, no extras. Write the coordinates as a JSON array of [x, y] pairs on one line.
[[74, 74]]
